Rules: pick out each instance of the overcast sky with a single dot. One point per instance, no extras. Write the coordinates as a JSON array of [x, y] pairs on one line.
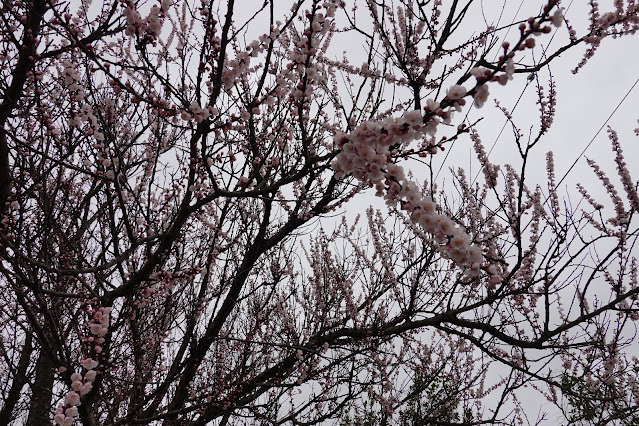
[[585, 102]]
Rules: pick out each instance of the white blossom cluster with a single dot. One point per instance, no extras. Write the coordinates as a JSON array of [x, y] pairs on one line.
[[103, 156], [197, 113], [365, 153], [71, 78], [66, 413], [150, 26]]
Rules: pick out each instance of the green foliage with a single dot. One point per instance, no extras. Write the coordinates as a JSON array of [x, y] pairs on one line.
[[579, 408], [370, 416], [431, 400], [588, 404], [435, 399]]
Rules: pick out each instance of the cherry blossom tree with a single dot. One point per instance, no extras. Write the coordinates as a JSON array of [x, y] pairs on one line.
[[174, 248]]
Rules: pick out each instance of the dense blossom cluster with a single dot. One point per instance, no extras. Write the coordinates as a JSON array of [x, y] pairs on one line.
[[489, 170], [172, 160], [196, 113], [623, 20], [366, 153], [82, 384], [151, 26], [72, 80]]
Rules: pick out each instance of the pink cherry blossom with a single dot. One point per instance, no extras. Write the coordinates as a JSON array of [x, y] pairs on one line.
[[185, 230]]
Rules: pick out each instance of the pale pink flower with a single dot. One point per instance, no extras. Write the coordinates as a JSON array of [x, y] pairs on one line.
[[457, 255], [510, 68], [95, 329], [90, 375], [481, 95], [495, 279], [456, 92], [460, 241], [72, 398], [444, 224], [413, 117], [89, 363], [432, 105], [428, 222], [428, 206], [479, 72], [557, 18], [475, 255], [86, 388], [416, 215]]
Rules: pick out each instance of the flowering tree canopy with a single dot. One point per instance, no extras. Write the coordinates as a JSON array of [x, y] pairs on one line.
[[170, 173]]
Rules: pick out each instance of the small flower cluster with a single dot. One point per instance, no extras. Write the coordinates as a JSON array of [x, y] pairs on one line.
[[198, 114], [71, 78], [529, 29], [81, 385], [85, 114], [133, 19], [67, 417], [151, 26], [557, 18], [490, 171], [99, 326], [104, 156], [86, 120], [234, 68], [482, 75], [622, 170], [153, 23], [455, 242]]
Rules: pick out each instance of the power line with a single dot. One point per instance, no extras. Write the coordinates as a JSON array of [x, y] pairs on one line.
[[528, 81], [501, 14], [598, 131]]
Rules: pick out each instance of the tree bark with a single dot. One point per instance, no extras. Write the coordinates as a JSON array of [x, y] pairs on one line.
[[41, 392], [13, 93], [19, 380]]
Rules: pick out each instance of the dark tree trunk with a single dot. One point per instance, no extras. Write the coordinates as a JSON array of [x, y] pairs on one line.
[[19, 380], [40, 413]]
